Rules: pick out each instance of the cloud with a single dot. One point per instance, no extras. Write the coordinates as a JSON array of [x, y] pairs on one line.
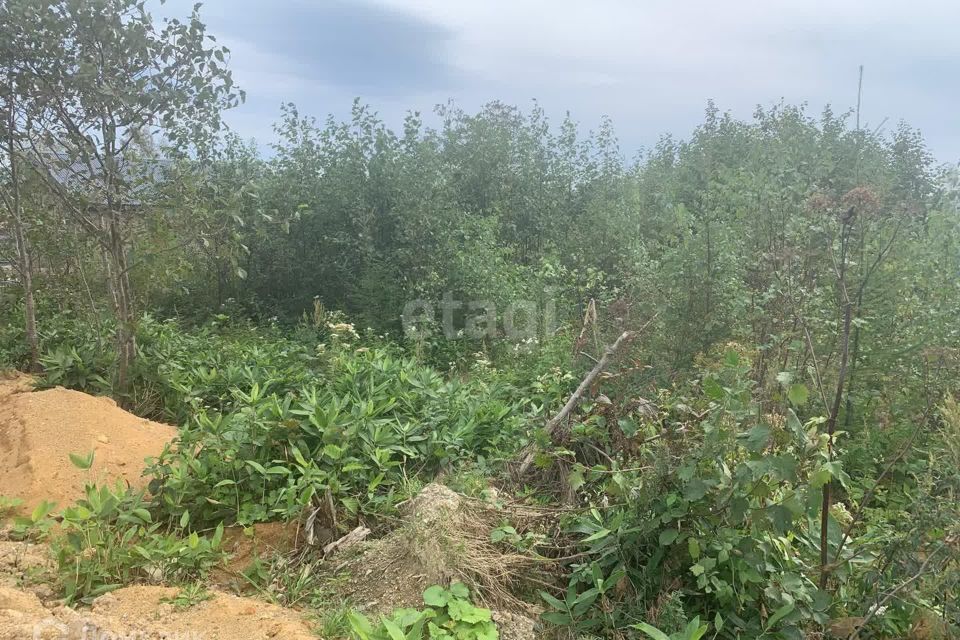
[[353, 46], [650, 65]]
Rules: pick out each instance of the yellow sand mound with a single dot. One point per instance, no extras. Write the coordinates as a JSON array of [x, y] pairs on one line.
[[38, 431], [149, 613]]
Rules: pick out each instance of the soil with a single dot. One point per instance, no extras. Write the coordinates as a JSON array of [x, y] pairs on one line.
[[38, 431], [147, 613], [263, 540], [29, 608]]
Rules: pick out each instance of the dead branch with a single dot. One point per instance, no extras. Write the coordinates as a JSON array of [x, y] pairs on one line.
[[355, 537], [585, 384]]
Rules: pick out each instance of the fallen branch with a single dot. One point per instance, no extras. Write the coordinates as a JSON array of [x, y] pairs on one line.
[[585, 384], [355, 537]]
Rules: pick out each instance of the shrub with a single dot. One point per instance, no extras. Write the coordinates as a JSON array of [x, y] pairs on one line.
[[449, 614]]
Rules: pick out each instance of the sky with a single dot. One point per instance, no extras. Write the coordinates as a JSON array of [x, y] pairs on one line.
[[650, 65]]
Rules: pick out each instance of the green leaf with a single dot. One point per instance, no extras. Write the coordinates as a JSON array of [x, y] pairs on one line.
[[465, 612], [668, 536], [731, 358], [758, 437], [780, 614], [486, 631], [333, 452], [694, 630], [695, 490], [575, 480], [82, 462], [259, 467], [41, 511], [360, 625], [459, 590], [603, 533], [436, 596], [713, 389], [781, 517], [651, 631], [396, 633], [798, 394]]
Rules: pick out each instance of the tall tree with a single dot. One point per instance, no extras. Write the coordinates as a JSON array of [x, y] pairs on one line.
[[110, 79], [13, 114], [11, 188]]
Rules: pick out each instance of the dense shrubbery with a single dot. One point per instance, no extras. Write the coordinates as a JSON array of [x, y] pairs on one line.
[[270, 422], [369, 426], [705, 500], [796, 279]]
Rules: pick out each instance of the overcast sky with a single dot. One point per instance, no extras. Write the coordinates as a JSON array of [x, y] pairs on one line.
[[650, 65]]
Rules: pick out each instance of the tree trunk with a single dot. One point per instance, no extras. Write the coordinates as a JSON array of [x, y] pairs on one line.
[[119, 279], [29, 305], [847, 305], [24, 265]]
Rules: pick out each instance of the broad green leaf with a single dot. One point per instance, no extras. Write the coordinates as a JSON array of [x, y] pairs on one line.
[[780, 614], [436, 596], [713, 389], [798, 394], [459, 590], [758, 438], [668, 536], [651, 631], [83, 462]]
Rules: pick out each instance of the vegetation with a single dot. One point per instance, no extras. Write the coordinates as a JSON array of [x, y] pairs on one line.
[[770, 451], [449, 614]]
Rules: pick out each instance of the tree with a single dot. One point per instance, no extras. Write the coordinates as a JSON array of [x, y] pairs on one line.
[[12, 200], [13, 113], [108, 81]]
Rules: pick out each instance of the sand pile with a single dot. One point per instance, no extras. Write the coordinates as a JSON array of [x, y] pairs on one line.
[[29, 608], [38, 431], [148, 613]]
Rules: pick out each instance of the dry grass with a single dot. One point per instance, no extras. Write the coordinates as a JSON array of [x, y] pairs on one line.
[[445, 537]]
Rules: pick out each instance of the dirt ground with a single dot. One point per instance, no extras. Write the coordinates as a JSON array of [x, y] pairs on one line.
[[38, 431], [147, 613], [262, 540], [31, 608]]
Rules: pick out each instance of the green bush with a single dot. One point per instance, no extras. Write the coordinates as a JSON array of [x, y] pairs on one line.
[[449, 614], [376, 420], [110, 539]]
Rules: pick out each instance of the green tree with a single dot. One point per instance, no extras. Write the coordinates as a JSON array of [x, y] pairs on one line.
[[110, 81]]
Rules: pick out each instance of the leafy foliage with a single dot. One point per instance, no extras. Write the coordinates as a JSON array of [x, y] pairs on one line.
[[109, 538], [795, 277], [448, 615]]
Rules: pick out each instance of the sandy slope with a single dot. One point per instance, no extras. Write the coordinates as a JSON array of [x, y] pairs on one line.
[[38, 431]]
